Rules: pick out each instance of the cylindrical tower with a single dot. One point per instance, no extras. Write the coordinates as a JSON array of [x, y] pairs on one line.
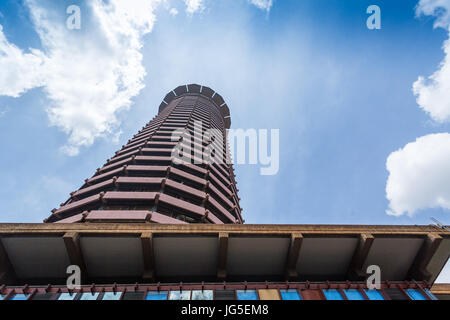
[[145, 182]]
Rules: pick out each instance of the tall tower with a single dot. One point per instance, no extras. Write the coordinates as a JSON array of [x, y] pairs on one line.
[[144, 182]]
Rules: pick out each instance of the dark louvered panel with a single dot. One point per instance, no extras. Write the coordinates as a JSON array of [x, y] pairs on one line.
[[224, 295], [43, 296], [395, 294], [138, 295]]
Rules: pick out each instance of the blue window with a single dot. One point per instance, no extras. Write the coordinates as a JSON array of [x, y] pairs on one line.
[[177, 295], [415, 294], [89, 296], [156, 295], [290, 294], [432, 296], [247, 295], [67, 296], [202, 295], [19, 296], [374, 294], [353, 294], [112, 295], [332, 294]]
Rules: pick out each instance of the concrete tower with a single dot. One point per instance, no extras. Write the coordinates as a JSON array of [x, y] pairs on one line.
[[147, 181]]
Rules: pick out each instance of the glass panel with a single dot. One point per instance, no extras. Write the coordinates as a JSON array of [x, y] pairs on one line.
[[89, 296], [111, 295], [415, 294], [177, 295], [2, 296], [19, 296], [202, 295], [290, 294], [246, 295], [374, 294], [332, 294], [430, 294], [156, 295], [67, 296], [353, 294]]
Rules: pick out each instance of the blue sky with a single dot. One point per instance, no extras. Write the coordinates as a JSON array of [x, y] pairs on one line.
[[341, 95]]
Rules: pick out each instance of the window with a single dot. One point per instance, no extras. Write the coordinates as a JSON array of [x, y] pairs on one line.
[[247, 295], [332, 294], [42, 296], [67, 296], [177, 295], [268, 294], [133, 295], [202, 295], [374, 294], [290, 294], [395, 294], [89, 296], [415, 294], [19, 296], [2, 296], [224, 295], [428, 292], [156, 295], [111, 295], [353, 294]]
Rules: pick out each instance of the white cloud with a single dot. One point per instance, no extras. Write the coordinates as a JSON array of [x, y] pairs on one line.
[[419, 175], [433, 93], [193, 6], [87, 75], [173, 12], [437, 8], [20, 71], [262, 4]]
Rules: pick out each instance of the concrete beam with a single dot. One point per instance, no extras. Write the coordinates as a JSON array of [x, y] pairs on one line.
[[292, 257], [418, 270], [7, 274], [223, 254], [73, 248], [355, 270], [148, 256]]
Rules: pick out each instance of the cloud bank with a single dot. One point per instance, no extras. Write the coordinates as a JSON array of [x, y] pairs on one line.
[[433, 92], [419, 175], [88, 76]]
